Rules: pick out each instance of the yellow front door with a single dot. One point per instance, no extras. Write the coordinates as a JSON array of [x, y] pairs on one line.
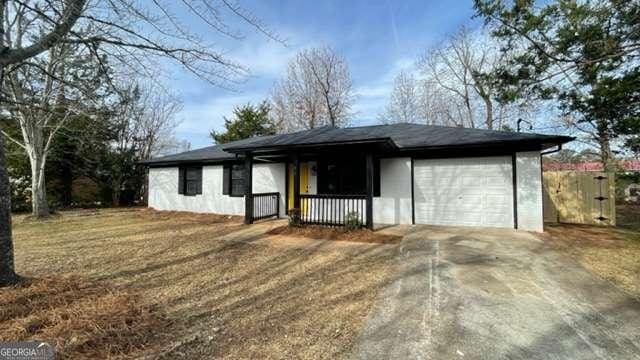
[[304, 182]]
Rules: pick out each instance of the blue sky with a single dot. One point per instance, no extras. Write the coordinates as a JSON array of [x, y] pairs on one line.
[[377, 38]]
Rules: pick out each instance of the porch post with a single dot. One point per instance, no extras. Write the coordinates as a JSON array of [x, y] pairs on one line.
[[296, 181], [369, 181], [248, 188]]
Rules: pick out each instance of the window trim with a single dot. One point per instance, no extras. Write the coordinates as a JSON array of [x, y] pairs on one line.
[[231, 179], [185, 182]]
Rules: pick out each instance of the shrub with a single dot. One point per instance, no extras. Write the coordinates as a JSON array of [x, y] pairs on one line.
[[352, 221], [20, 194], [294, 218]]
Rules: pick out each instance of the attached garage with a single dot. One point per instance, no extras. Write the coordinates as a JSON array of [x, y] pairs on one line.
[[464, 191]]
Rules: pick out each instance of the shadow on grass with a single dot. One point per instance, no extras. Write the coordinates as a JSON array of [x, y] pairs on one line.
[[227, 289]]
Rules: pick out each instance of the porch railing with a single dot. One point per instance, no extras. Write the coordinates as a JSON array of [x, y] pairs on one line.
[[332, 210], [266, 205]]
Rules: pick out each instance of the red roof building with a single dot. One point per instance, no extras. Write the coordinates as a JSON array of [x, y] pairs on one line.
[[628, 165]]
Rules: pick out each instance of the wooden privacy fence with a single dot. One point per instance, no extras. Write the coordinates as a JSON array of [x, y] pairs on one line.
[[579, 197]]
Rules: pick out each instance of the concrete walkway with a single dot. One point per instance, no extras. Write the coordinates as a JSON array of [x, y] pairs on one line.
[[465, 293]]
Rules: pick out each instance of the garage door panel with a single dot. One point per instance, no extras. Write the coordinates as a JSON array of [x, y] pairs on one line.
[[498, 182], [495, 220], [465, 191], [469, 203], [452, 217], [498, 200]]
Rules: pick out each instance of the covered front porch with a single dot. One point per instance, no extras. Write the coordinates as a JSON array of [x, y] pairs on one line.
[[328, 185]]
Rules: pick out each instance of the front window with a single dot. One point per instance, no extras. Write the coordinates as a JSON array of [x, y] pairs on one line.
[[237, 180], [192, 181], [346, 176]]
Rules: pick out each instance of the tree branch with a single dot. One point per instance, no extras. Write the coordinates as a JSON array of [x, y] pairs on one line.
[[72, 11]]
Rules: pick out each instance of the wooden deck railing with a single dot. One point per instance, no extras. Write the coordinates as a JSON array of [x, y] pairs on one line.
[[332, 210], [266, 205]]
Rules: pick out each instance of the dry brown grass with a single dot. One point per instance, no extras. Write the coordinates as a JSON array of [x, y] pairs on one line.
[[337, 234], [82, 319], [628, 216], [611, 253], [224, 289]]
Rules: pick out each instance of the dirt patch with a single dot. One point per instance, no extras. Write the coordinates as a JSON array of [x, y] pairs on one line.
[[222, 290], [325, 233], [610, 253], [82, 319]]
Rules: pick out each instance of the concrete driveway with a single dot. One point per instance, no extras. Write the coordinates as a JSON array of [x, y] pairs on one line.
[[470, 293]]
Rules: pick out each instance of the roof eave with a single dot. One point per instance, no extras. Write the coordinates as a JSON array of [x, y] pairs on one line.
[[166, 163], [270, 148], [543, 143]]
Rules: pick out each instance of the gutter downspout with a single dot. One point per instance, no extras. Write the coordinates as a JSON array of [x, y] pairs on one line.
[[559, 147]]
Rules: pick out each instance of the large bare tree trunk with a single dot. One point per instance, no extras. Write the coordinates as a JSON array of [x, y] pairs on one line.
[[7, 272], [39, 204]]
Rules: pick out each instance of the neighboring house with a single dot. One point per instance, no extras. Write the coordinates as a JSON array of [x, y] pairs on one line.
[[385, 174]]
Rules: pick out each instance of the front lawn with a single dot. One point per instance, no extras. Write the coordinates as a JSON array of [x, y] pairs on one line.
[[184, 285], [609, 252]]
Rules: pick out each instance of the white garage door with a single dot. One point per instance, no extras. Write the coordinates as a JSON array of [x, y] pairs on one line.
[[465, 191]]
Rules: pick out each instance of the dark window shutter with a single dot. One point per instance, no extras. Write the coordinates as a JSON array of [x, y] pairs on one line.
[[226, 179], [199, 181], [180, 180]]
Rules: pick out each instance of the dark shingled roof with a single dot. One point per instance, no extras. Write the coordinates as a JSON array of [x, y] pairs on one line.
[[210, 153], [402, 136]]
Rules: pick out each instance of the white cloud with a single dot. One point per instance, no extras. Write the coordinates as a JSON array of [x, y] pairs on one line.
[[267, 62], [269, 59], [372, 96], [264, 59]]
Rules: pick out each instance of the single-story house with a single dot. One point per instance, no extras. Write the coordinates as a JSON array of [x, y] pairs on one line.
[[382, 174]]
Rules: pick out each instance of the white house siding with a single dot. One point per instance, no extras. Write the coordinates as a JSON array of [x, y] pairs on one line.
[[163, 189], [529, 186], [394, 204], [269, 178]]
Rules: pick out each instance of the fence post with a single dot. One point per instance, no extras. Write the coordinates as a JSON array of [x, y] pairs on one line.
[[248, 190], [369, 200], [296, 181]]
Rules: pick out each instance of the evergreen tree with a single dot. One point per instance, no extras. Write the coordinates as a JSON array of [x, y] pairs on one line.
[[248, 121], [583, 54]]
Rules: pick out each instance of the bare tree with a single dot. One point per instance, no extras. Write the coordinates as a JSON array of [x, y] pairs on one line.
[[457, 69], [158, 122], [133, 36], [404, 104], [439, 107], [316, 91], [12, 54], [43, 93], [141, 126]]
